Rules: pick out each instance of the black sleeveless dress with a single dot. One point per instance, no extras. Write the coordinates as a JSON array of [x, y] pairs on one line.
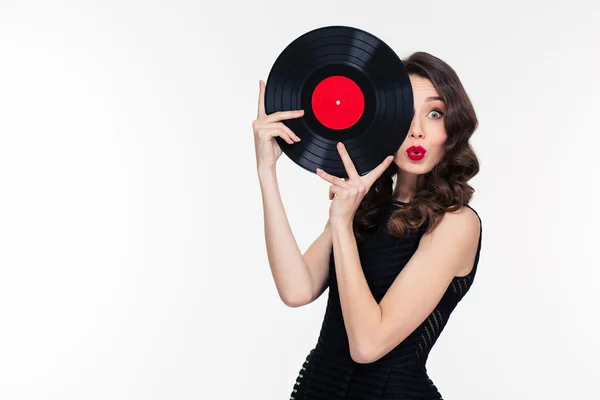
[[329, 373]]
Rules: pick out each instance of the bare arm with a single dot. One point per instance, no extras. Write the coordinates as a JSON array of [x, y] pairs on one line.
[[300, 279], [374, 329]]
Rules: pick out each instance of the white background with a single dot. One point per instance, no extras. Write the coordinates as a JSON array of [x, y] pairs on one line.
[[132, 255]]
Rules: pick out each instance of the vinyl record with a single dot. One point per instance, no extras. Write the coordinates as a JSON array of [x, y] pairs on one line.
[[353, 89]]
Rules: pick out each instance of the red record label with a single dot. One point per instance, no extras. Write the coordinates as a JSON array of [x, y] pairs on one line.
[[338, 102]]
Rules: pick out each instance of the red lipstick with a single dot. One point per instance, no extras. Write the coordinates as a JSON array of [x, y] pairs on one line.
[[416, 153]]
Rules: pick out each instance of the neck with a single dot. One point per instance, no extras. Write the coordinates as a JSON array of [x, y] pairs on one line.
[[406, 186]]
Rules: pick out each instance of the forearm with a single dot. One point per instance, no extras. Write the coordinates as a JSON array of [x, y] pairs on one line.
[[290, 273], [361, 312]]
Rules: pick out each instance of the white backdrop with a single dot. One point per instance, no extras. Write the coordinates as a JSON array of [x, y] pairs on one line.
[[132, 255]]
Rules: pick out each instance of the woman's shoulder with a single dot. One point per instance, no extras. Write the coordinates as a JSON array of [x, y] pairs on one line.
[[464, 221], [464, 218], [465, 209], [467, 206], [472, 217]]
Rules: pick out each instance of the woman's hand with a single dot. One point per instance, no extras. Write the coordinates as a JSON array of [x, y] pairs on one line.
[[266, 127], [347, 194]]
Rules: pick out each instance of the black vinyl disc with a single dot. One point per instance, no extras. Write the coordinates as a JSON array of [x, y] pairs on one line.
[[353, 89]]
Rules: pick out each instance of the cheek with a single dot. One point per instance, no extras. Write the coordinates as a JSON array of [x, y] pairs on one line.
[[437, 147], [438, 138]]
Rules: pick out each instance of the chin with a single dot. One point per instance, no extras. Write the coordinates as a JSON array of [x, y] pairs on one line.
[[414, 168]]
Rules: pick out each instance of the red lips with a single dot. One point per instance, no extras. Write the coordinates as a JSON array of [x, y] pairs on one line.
[[416, 153]]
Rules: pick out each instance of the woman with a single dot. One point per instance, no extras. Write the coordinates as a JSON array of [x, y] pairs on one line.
[[399, 251]]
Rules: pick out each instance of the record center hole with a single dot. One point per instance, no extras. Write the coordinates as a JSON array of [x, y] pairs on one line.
[[337, 102]]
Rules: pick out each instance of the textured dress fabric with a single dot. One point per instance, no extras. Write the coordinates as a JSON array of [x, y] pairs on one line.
[[329, 373]]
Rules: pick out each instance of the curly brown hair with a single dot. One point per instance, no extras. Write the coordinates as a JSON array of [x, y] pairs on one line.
[[445, 187]]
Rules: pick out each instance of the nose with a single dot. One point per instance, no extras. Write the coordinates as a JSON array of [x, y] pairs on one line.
[[416, 129]]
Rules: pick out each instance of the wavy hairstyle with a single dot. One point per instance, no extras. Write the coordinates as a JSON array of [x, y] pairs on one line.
[[445, 187]]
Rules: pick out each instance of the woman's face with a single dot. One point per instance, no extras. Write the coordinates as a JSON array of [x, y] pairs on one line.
[[426, 130]]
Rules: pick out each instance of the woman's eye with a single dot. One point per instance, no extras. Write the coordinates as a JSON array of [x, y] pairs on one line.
[[438, 112]]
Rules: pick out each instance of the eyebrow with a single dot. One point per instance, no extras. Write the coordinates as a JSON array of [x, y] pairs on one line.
[[431, 99]]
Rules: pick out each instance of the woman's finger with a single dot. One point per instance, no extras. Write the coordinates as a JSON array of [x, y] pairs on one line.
[[261, 100], [266, 133], [281, 115], [348, 164], [332, 179], [277, 125], [288, 130], [372, 176], [333, 191]]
